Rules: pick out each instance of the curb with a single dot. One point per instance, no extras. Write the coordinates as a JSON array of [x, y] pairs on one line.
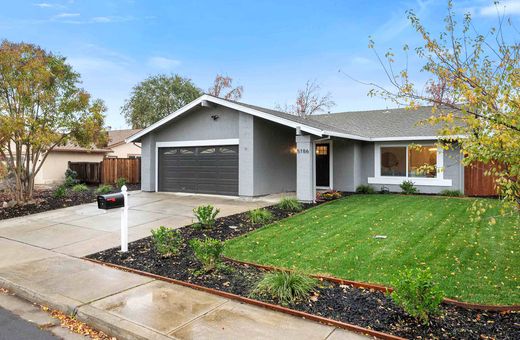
[[96, 318], [278, 308], [384, 289]]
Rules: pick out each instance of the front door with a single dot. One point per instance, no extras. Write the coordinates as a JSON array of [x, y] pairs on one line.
[[322, 165]]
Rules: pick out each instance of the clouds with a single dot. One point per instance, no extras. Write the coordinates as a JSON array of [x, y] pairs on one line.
[[508, 8], [163, 63]]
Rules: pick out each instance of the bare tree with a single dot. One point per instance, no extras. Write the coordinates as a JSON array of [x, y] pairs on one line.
[[224, 82], [309, 101]]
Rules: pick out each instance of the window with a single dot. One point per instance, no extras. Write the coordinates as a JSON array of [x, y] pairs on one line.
[[393, 161], [322, 150], [226, 150], [409, 161], [208, 150], [422, 161]]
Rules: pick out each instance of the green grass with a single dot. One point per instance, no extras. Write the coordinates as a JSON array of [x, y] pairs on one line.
[[472, 261]]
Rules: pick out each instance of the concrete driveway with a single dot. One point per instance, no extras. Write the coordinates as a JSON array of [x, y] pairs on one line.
[[85, 229]]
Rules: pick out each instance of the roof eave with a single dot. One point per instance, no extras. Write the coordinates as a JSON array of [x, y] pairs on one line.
[[234, 106]]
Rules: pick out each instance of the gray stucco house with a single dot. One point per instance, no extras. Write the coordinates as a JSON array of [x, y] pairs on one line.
[[224, 147]]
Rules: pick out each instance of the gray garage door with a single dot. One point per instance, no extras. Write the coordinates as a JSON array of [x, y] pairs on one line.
[[201, 169]]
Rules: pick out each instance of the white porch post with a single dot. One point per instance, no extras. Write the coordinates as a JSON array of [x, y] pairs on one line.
[[305, 187]]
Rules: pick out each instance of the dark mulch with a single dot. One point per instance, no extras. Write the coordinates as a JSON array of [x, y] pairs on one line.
[[44, 200], [362, 307]]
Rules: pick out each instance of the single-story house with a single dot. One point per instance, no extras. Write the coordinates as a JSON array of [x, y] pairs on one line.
[[119, 148], [57, 162], [224, 147]]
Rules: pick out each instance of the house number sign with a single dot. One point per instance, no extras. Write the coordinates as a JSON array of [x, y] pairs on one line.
[[303, 150]]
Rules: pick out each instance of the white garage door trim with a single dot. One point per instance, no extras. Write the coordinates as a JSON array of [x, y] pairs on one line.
[[187, 143]]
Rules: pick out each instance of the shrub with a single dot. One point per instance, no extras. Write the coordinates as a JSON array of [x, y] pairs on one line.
[[206, 215], [384, 190], [408, 188], [60, 192], [208, 252], [286, 287], [417, 294], [80, 188], [364, 189], [260, 216], [167, 241], [452, 193], [328, 195], [120, 182], [71, 178], [290, 204], [103, 189]]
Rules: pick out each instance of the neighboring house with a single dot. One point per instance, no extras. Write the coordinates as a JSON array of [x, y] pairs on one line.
[[57, 162], [223, 147], [121, 149]]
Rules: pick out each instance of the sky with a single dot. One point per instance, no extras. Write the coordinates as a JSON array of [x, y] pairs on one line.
[[271, 48]]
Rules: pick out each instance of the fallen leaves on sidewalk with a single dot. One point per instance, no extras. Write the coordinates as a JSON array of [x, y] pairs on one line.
[[78, 327]]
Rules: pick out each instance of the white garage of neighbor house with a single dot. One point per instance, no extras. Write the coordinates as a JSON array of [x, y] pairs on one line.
[[217, 146]]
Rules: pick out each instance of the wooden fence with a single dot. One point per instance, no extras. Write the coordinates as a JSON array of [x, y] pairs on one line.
[[108, 170], [476, 183]]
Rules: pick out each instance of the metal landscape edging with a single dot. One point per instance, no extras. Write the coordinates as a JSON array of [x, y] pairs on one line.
[[250, 301], [357, 284]]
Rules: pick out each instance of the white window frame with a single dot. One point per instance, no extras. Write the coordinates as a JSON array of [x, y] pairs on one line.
[[435, 181]]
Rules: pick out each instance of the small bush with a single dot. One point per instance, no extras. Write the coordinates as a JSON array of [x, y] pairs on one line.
[[80, 188], [451, 193], [208, 252], [408, 188], [103, 189], [260, 216], [60, 192], [364, 189], [71, 178], [206, 215], [120, 182], [417, 294], [286, 287], [290, 204], [384, 190], [167, 241], [328, 195]]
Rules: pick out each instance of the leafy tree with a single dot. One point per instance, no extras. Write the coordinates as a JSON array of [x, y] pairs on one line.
[[309, 101], [474, 90], [224, 82], [156, 97], [41, 107]]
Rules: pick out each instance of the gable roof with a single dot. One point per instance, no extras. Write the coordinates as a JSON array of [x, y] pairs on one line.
[[117, 137], [376, 125]]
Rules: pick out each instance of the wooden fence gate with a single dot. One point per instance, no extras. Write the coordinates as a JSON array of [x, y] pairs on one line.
[[476, 183], [108, 170]]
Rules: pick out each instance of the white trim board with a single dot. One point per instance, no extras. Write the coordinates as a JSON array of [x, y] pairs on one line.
[[200, 142], [434, 182]]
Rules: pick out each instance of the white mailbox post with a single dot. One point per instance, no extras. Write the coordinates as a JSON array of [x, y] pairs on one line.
[[124, 220]]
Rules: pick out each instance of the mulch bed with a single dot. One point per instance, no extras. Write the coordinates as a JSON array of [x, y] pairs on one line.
[[44, 200], [362, 307]]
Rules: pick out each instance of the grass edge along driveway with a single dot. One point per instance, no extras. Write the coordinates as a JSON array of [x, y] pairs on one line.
[[472, 261]]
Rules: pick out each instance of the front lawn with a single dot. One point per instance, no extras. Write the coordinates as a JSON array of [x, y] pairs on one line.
[[472, 261]]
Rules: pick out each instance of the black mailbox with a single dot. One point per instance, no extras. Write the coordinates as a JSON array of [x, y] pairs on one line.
[[110, 201]]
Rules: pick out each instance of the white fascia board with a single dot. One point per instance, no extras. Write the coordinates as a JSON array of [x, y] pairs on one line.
[[264, 115], [165, 119], [346, 135], [391, 139], [234, 106]]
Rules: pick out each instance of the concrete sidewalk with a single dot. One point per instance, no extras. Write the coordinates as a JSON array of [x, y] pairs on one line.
[[38, 262]]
